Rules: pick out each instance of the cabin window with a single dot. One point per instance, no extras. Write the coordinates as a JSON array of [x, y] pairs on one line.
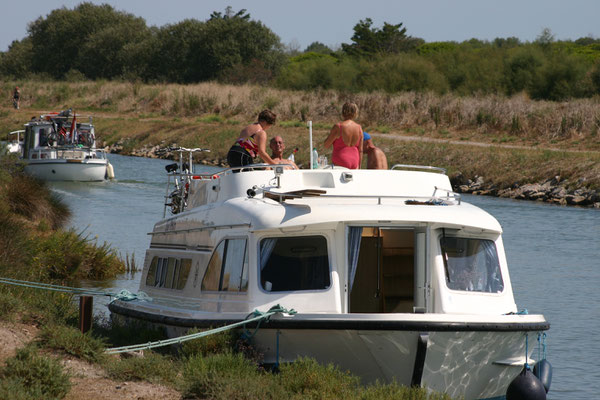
[[227, 269], [294, 263], [471, 265], [168, 272]]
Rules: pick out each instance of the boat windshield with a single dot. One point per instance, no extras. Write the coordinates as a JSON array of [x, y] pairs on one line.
[[294, 263], [471, 265]]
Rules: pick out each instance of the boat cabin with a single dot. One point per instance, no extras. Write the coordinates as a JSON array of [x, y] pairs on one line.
[[329, 241], [50, 137]]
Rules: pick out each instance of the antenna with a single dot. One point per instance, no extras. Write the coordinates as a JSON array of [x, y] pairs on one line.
[[310, 143]]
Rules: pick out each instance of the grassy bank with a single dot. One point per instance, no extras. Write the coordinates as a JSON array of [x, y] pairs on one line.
[[525, 141]]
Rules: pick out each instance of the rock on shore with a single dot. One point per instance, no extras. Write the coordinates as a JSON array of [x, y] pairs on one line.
[[551, 191]]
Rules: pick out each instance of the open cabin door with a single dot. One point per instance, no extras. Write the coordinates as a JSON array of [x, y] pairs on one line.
[[388, 268]]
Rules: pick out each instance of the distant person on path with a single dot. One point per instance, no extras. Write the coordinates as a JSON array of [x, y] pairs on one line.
[[252, 142], [347, 139], [376, 158], [277, 147], [17, 97]]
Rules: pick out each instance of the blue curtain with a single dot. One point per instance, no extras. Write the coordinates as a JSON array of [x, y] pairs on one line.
[[354, 237]]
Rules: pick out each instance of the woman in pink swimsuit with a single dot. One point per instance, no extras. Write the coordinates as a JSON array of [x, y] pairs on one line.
[[347, 139]]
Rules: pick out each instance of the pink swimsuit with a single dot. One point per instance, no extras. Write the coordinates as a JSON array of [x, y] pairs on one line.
[[345, 156]]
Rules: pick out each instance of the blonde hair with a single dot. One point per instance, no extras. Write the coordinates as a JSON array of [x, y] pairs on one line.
[[349, 111]]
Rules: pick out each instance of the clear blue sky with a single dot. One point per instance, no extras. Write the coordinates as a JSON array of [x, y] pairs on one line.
[[331, 21]]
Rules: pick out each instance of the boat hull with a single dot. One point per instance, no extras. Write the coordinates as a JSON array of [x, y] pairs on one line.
[[68, 170], [461, 356]]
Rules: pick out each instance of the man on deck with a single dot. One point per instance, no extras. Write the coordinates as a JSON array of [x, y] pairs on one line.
[[376, 158], [277, 147]]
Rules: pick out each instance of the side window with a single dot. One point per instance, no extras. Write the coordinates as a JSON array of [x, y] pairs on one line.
[[168, 272], [212, 276], [233, 266], [294, 263], [471, 265], [184, 272], [151, 276], [228, 267]]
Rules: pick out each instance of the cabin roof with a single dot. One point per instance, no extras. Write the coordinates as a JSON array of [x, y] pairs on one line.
[[352, 196]]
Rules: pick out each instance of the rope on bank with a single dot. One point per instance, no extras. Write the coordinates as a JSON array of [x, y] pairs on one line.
[[124, 295], [257, 316]]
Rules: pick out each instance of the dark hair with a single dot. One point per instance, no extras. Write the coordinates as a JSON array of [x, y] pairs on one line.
[[267, 116]]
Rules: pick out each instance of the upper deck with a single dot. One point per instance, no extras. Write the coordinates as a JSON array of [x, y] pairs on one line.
[[284, 198]]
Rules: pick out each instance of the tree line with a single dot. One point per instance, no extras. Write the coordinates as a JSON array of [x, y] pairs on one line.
[[98, 42]]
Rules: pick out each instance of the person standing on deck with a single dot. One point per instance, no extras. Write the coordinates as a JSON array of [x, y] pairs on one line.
[[347, 139]]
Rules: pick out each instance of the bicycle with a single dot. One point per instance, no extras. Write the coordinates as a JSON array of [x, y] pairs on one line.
[[181, 172]]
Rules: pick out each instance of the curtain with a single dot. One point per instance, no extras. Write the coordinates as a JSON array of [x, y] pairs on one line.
[[354, 237], [495, 283], [266, 248]]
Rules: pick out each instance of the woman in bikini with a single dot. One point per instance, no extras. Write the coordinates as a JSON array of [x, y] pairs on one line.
[[347, 139], [252, 142]]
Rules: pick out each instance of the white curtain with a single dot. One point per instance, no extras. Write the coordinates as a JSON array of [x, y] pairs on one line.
[[266, 248]]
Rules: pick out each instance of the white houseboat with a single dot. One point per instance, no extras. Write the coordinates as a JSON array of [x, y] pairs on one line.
[[391, 275], [56, 147]]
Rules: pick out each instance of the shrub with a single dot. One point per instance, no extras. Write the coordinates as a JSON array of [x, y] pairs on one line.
[[151, 367], [212, 344], [558, 79], [73, 342], [225, 376], [308, 379], [70, 255], [34, 375], [405, 72]]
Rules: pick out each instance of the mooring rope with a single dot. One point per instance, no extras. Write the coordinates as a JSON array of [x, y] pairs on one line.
[[258, 316], [124, 294]]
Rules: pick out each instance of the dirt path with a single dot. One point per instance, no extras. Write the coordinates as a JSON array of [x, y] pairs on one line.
[[88, 381]]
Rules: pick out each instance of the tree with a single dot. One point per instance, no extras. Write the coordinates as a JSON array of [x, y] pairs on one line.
[[233, 39], [318, 47], [369, 41], [60, 40], [16, 62]]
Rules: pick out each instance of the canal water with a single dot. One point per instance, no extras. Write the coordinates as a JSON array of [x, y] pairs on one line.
[[553, 254]]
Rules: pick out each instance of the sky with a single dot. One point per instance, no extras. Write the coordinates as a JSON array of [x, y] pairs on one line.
[[331, 22]]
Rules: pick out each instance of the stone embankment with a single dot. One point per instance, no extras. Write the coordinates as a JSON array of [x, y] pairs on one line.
[[550, 191], [157, 151]]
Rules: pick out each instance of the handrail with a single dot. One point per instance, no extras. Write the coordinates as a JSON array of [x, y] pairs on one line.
[[425, 167]]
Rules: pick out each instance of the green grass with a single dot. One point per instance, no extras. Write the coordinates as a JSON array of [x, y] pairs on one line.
[[30, 375]]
